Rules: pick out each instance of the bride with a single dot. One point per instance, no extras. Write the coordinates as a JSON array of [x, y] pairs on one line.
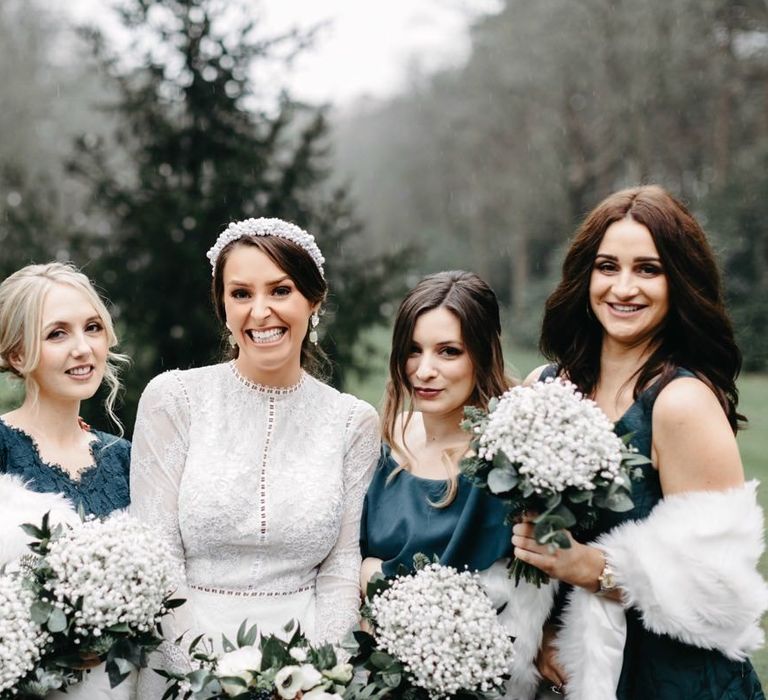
[[254, 469]]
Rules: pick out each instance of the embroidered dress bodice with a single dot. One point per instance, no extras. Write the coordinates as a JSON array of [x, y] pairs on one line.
[[259, 490], [99, 488]]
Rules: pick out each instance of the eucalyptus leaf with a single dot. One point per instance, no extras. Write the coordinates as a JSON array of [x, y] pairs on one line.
[[119, 627], [40, 610], [381, 660], [57, 620], [501, 460], [581, 497], [502, 480], [619, 503], [199, 679], [391, 680]]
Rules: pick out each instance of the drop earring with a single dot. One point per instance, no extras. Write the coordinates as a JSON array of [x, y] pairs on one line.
[[314, 320], [231, 340]]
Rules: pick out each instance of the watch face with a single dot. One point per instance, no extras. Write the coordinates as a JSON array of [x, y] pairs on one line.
[[607, 580]]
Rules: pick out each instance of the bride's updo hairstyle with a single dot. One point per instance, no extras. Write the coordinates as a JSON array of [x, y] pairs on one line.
[[474, 304], [22, 296], [300, 266]]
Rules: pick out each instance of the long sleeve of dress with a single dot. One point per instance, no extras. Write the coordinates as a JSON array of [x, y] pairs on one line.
[[338, 588], [159, 452], [160, 445]]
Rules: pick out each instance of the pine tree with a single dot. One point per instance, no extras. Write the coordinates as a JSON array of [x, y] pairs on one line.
[[201, 147]]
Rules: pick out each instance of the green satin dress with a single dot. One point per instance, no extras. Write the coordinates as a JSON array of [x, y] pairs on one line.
[[399, 521]]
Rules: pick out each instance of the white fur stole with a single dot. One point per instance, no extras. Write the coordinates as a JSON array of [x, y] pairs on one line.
[[19, 505], [690, 568]]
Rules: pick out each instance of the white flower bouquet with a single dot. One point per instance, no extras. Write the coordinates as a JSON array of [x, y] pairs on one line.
[[548, 450], [261, 667], [435, 635], [97, 593], [22, 640]]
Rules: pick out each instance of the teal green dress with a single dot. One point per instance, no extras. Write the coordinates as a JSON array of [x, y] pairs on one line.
[[399, 521], [100, 488], [656, 666]]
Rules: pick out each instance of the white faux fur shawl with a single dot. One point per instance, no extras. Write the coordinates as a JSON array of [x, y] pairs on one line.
[[690, 568], [19, 505]]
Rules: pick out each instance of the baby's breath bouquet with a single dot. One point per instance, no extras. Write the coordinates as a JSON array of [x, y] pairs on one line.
[[97, 592], [546, 449], [435, 635], [261, 667], [22, 640]]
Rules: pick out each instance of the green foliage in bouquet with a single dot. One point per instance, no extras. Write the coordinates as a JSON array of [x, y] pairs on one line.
[[73, 645], [259, 667]]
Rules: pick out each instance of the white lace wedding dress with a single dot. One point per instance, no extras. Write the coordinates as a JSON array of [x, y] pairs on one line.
[[260, 491]]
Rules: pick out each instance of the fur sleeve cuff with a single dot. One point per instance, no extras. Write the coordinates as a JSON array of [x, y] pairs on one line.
[[690, 568]]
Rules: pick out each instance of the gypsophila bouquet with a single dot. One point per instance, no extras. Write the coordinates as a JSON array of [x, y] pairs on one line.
[[261, 667], [548, 450], [435, 635], [99, 591], [22, 640]]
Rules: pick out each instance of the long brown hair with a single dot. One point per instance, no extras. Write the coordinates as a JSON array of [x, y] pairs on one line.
[[696, 334], [299, 266], [475, 306]]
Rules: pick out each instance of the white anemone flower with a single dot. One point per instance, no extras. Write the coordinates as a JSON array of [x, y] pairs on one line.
[[240, 663], [288, 682]]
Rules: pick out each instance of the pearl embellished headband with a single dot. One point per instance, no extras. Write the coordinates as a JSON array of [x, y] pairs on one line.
[[266, 227]]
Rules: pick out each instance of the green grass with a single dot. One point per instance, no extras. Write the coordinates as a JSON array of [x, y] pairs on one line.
[[753, 444], [11, 393]]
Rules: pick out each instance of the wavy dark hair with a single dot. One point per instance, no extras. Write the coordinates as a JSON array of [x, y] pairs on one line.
[[696, 334], [475, 305], [299, 266]]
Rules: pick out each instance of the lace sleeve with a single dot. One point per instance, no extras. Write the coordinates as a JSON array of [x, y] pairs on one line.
[[160, 442], [338, 588], [157, 460]]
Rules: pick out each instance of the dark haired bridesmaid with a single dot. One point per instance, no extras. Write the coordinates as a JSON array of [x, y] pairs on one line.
[[446, 354], [664, 601]]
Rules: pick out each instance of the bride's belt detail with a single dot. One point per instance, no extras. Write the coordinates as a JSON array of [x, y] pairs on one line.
[[251, 593]]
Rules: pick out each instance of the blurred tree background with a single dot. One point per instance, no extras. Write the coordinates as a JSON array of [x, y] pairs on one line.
[[194, 141], [491, 165], [130, 163]]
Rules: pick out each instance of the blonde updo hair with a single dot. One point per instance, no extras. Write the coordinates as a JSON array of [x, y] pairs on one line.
[[22, 296]]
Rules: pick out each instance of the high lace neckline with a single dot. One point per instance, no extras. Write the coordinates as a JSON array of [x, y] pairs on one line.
[[263, 388]]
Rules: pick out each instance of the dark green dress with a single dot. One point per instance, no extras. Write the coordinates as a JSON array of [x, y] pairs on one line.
[[399, 521], [658, 667], [100, 489]]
